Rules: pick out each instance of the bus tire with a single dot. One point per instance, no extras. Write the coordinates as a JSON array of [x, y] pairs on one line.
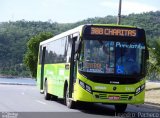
[[68, 102], [47, 96], [120, 108]]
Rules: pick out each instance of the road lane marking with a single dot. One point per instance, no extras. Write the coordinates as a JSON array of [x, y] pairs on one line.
[[40, 102]]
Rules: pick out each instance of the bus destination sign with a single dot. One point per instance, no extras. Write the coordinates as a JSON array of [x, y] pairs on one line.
[[113, 31]]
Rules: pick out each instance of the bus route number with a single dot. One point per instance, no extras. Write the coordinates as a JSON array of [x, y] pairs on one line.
[[114, 32]]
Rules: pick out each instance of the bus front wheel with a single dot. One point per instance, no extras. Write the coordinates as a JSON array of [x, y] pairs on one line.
[[120, 108], [47, 96], [68, 101]]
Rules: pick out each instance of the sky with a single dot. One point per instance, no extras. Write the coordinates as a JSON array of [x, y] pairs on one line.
[[69, 11]]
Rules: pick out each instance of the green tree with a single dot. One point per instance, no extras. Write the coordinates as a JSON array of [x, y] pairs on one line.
[[31, 55], [154, 61]]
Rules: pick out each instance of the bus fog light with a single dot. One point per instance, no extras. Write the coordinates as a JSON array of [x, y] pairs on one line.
[[88, 88], [82, 84], [85, 86], [140, 89]]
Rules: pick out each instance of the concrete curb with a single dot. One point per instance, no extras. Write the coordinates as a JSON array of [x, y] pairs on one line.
[[5, 83], [153, 89], [155, 104], [149, 105]]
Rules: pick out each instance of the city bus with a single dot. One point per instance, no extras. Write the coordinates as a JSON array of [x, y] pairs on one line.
[[94, 63]]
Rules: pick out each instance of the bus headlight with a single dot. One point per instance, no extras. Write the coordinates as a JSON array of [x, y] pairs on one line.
[[140, 89], [85, 86]]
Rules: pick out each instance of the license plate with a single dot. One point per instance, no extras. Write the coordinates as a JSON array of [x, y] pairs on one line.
[[113, 97]]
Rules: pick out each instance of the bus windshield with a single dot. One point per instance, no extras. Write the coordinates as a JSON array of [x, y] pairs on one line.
[[111, 57]]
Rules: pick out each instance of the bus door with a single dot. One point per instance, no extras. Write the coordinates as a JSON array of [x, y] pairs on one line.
[[42, 67], [73, 65]]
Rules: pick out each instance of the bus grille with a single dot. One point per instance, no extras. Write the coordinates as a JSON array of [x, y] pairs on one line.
[[103, 96], [124, 97]]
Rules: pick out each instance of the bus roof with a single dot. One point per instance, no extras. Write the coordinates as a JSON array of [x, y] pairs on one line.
[[79, 30], [69, 32]]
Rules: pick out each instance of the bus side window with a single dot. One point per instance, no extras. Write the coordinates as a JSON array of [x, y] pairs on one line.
[[66, 49], [69, 49]]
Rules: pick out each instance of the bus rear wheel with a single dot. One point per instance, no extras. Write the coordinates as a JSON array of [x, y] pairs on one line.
[[120, 108], [68, 101], [47, 96]]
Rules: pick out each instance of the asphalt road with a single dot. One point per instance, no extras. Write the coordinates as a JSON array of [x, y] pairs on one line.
[[23, 101]]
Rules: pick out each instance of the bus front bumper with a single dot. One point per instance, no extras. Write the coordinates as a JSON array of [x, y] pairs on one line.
[[82, 94]]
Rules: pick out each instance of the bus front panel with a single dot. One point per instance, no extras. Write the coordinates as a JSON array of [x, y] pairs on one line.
[[89, 91]]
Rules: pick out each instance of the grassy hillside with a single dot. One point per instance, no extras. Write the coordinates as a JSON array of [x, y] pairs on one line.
[[14, 36]]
